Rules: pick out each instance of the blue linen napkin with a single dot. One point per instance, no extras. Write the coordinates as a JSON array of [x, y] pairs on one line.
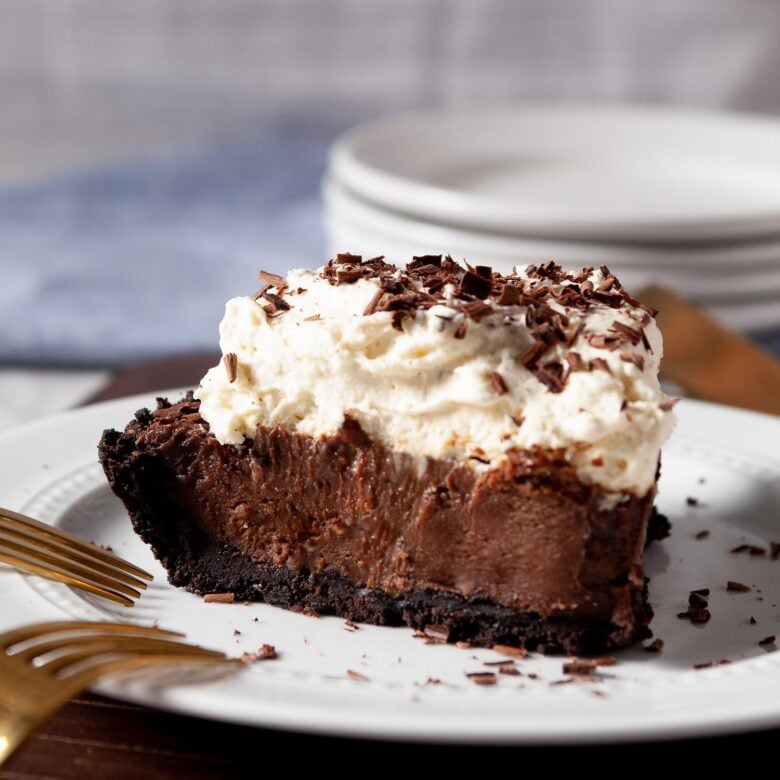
[[137, 260]]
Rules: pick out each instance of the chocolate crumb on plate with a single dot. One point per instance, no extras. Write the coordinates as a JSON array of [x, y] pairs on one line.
[[507, 662], [752, 621], [701, 591], [691, 501], [767, 640], [264, 653], [756, 551], [350, 626], [740, 548], [703, 665], [357, 676], [510, 670], [737, 587], [580, 667], [482, 678], [699, 616], [510, 650], [774, 550], [656, 646], [219, 598], [697, 601], [702, 535]]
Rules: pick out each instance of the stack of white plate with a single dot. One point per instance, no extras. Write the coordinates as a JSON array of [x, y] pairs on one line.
[[689, 200]]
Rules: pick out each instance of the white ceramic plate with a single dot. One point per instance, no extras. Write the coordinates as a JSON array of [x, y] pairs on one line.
[[724, 458], [572, 171]]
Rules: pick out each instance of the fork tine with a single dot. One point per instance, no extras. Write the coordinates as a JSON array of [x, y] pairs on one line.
[[36, 541], [91, 641], [116, 580], [98, 647], [43, 630], [77, 682], [127, 599], [75, 542], [43, 571]]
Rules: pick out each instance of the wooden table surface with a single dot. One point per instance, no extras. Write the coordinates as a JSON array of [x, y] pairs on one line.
[[95, 737]]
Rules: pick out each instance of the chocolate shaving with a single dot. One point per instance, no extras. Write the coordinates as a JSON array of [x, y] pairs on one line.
[[510, 670], [551, 375], [704, 665], [656, 646], [312, 318], [767, 640], [474, 284], [602, 342], [272, 280], [231, 366], [631, 335], [756, 551], [397, 320], [460, 331], [575, 361], [498, 383], [482, 678], [600, 364], [424, 261], [580, 668], [510, 650], [478, 310], [737, 587], [637, 360], [374, 303], [347, 258], [277, 302], [357, 676], [702, 535], [509, 295], [348, 275], [530, 357], [219, 598]]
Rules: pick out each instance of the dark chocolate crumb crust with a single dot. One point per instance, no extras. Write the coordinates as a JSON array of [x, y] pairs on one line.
[[342, 526]]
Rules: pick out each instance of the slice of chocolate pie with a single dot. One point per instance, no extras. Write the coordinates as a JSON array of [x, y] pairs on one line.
[[430, 445]]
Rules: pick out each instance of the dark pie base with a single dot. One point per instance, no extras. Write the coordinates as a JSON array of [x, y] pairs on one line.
[[219, 568], [146, 470]]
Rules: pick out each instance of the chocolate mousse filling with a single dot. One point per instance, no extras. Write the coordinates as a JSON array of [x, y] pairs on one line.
[[520, 552]]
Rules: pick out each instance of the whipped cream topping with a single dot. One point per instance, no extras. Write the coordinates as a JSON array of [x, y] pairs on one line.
[[458, 374]]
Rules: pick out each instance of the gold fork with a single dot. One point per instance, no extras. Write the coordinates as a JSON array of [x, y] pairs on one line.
[[50, 552], [45, 664]]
